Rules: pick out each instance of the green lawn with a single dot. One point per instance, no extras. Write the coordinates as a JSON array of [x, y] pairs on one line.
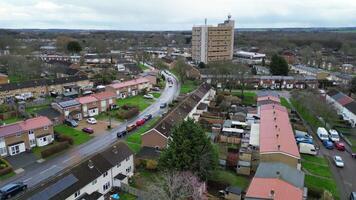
[[138, 100], [11, 120], [127, 196], [79, 137], [306, 115], [156, 94], [231, 178], [249, 98], [188, 86], [134, 139], [315, 159], [321, 183], [34, 109], [6, 176], [142, 66], [317, 169], [285, 103]]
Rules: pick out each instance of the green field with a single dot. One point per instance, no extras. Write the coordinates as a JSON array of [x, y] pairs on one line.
[[79, 137], [11, 120], [250, 98], [285, 103], [138, 100], [230, 178], [188, 86], [156, 94], [142, 66], [34, 109]]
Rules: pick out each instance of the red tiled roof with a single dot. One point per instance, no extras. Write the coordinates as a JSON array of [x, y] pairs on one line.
[[104, 95], [26, 125], [276, 133], [269, 97], [129, 83], [87, 99], [34, 123], [262, 187]]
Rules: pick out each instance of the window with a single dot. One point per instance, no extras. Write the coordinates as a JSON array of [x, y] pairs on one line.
[[3, 150], [128, 170], [105, 174], [45, 128], [76, 194], [94, 182], [32, 142], [106, 186], [30, 132], [44, 139]]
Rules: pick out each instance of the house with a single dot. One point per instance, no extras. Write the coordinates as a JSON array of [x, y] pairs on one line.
[[344, 105], [42, 87], [249, 57], [90, 106], [262, 100], [277, 142], [129, 88], [52, 114], [107, 100], [151, 76], [21, 136], [69, 109], [158, 136], [4, 79], [90, 179], [233, 193]]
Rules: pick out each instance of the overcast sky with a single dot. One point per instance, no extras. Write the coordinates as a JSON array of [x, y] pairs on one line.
[[174, 14]]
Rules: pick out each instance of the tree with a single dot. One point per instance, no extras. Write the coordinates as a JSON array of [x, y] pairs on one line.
[[74, 47], [279, 65], [175, 185], [181, 68], [189, 150], [353, 85], [201, 65]]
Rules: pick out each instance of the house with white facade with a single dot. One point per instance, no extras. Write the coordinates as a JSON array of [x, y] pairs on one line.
[[91, 179], [344, 105]]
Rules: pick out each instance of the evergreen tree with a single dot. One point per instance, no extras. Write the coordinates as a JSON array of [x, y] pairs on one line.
[[74, 47], [279, 66]]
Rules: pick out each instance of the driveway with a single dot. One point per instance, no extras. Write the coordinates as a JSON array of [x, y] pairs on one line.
[[21, 160], [38, 172], [101, 127]]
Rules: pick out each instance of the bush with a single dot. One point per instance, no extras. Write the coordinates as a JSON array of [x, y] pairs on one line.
[[151, 164], [315, 192], [65, 138], [128, 114], [54, 149], [5, 171]]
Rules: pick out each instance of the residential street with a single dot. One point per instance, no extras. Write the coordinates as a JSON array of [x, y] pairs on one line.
[[38, 172]]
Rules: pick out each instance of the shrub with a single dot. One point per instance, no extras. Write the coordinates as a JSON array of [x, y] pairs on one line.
[[54, 149], [65, 138], [128, 114], [151, 164], [315, 192], [5, 171]]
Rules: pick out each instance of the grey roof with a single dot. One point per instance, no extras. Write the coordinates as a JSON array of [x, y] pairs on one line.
[[351, 107], [234, 190], [49, 112], [282, 171], [69, 103], [264, 93]]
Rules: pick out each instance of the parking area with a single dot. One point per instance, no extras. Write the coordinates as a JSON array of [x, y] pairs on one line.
[[99, 128], [21, 160]]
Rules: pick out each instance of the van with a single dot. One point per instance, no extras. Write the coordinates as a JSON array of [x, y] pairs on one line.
[[322, 134], [334, 135], [305, 148]]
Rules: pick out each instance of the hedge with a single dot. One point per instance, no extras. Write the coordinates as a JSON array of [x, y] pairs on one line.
[[5, 167], [54, 149], [65, 138]]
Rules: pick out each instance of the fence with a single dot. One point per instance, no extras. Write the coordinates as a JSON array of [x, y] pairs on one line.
[[134, 191]]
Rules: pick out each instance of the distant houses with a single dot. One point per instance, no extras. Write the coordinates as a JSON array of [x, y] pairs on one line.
[[345, 106], [129, 88]]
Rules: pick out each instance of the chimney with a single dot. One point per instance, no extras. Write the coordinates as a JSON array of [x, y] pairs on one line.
[[279, 147], [277, 135], [275, 126], [271, 194], [114, 149], [275, 118], [90, 164]]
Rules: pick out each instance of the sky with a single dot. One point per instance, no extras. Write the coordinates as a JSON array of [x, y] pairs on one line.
[[174, 14]]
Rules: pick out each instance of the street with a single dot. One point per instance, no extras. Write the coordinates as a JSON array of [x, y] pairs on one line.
[[36, 173]]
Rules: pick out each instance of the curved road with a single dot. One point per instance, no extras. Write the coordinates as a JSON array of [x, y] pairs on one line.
[[37, 173]]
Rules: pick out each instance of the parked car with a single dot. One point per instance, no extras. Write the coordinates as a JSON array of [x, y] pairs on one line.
[[322, 134], [163, 105], [304, 140], [121, 133], [71, 122], [11, 190], [353, 196], [156, 89], [340, 146], [328, 144], [334, 135], [130, 127], [140, 122], [147, 117], [338, 161], [91, 120], [148, 96], [302, 134], [306, 148], [88, 130]]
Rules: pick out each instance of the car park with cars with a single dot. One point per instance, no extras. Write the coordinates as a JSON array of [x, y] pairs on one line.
[[121, 133], [338, 161], [334, 135], [328, 144], [147, 117], [11, 190], [339, 146], [91, 120], [304, 140], [88, 130], [322, 134], [305, 148]]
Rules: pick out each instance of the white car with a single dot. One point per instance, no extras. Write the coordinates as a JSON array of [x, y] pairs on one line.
[[334, 135], [148, 96], [91, 120], [338, 161]]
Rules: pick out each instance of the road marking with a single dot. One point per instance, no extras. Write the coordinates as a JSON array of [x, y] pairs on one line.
[[27, 179], [70, 158], [44, 171]]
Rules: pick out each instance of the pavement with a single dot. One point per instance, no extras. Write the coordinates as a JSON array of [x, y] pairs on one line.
[[36, 173]]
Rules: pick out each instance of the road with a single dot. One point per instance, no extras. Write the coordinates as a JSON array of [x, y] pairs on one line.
[[36, 173], [345, 177]]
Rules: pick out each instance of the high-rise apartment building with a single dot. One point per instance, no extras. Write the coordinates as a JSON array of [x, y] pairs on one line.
[[213, 43]]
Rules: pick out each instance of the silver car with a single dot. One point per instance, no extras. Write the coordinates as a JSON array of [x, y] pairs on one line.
[[338, 161]]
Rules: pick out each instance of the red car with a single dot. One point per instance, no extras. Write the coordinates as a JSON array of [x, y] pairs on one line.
[[140, 122], [340, 146], [88, 130]]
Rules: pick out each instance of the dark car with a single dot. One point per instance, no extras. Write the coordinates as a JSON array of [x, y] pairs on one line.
[[328, 144], [147, 117], [163, 105], [11, 190], [353, 196], [121, 133], [71, 122], [88, 130]]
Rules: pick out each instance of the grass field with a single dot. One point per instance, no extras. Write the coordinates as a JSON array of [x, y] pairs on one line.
[[285, 103], [188, 87], [231, 178], [33, 109], [6, 176], [142, 66], [79, 137], [138, 100], [11, 120], [318, 174], [250, 98], [156, 94]]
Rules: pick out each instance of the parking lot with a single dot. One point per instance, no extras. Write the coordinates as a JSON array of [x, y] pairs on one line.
[[99, 128]]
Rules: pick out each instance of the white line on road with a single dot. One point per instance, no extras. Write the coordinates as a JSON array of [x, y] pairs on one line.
[[26, 180], [66, 160], [44, 171]]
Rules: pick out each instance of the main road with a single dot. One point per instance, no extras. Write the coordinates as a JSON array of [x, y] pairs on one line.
[[39, 172]]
